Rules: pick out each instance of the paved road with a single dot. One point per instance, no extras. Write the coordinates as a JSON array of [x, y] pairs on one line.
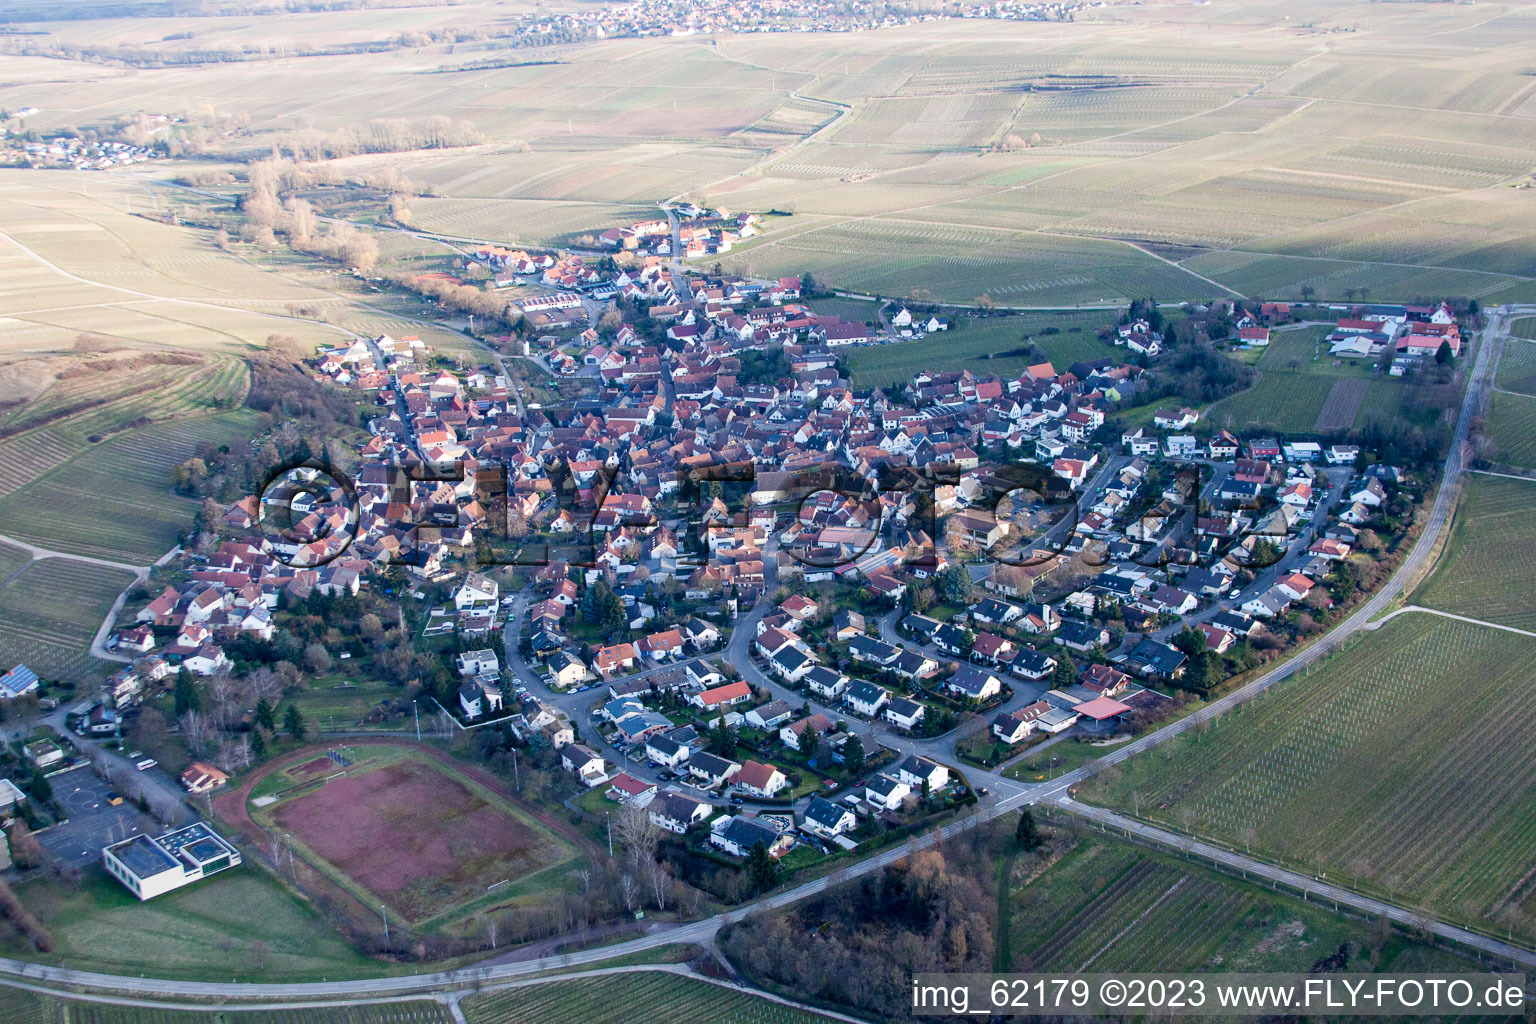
[[38, 553], [1445, 500], [1011, 796], [1313, 889], [98, 642]]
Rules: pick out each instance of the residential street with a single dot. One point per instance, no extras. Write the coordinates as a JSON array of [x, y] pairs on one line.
[[1008, 795]]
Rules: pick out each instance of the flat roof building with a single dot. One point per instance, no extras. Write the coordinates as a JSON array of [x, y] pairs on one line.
[[150, 866]]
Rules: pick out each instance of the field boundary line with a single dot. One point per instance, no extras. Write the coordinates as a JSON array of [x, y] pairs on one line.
[[1377, 624], [168, 1004], [1307, 886], [40, 553], [1491, 472], [681, 971]]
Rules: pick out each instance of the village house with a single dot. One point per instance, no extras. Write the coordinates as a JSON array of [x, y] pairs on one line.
[[759, 780], [886, 792]]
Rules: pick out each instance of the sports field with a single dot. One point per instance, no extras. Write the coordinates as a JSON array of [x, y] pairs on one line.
[[49, 613], [1108, 906], [449, 837], [633, 996], [1488, 570], [1400, 763]]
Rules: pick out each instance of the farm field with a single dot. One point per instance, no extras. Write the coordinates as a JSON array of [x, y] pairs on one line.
[[1517, 368], [1108, 906], [1395, 764], [972, 157], [450, 837], [993, 345], [240, 923], [530, 221], [855, 310], [1488, 570], [1525, 327], [50, 611], [963, 263], [118, 493], [1302, 389], [1285, 402], [161, 382], [78, 413], [12, 560], [19, 1006], [1512, 426], [631, 996]]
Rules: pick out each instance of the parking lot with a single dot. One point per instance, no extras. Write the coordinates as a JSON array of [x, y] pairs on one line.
[[93, 823]]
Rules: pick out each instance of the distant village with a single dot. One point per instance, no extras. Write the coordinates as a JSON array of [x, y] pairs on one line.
[[645, 18]]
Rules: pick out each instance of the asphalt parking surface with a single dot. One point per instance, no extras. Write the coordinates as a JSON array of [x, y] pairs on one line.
[[93, 823]]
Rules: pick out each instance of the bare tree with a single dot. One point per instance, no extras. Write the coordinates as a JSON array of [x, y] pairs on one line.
[[196, 732], [166, 810], [235, 752], [638, 834], [222, 689], [661, 883], [629, 890], [1249, 835], [264, 683]]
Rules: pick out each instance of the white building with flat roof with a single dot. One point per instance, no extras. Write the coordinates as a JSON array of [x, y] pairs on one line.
[[151, 865]]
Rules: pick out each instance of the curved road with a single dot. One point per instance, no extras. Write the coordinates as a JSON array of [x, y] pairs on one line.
[[1017, 796]]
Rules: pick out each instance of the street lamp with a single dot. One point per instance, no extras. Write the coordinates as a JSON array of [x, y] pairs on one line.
[[385, 915], [609, 819]]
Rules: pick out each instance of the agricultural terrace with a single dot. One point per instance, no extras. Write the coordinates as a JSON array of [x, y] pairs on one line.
[[153, 384], [1512, 426], [239, 924], [114, 500], [1400, 764], [631, 996], [1109, 906], [449, 836], [985, 345], [49, 613], [1517, 368], [82, 411], [1488, 569], [20, 1006]]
